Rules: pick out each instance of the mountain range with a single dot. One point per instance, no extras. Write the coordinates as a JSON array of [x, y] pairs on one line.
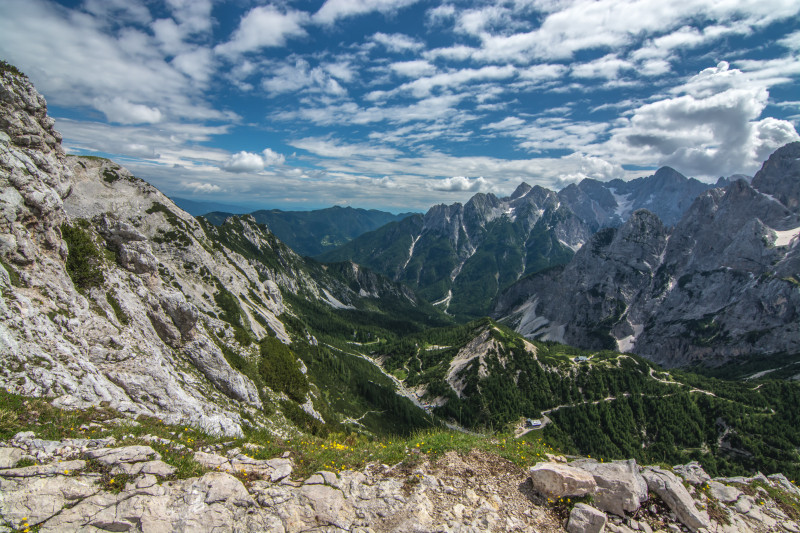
[[314, 232], [463, 256], [112, 297], [719, 285]]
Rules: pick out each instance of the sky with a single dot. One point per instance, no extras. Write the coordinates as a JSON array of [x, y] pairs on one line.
[[402, 104]]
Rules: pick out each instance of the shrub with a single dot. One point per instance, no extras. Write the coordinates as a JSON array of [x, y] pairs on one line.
[[84, 260]]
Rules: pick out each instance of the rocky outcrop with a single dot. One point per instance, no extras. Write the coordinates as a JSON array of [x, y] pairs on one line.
[[94, 484], [670, 489], [720, 285]]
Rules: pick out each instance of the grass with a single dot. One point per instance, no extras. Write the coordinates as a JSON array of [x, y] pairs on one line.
[[335, 452]]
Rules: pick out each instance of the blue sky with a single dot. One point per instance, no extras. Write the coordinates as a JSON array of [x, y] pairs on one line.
[[400, 104]]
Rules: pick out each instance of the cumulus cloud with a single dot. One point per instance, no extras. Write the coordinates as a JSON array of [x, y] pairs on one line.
[[333, 10], [264, 27], [249, 162], [272, 158], [710, 127], [461, 184]]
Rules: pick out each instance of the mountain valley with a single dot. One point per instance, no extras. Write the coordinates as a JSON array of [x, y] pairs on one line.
[[164, 358]]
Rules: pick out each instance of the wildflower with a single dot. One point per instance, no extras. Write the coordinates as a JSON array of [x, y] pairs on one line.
[[66, 472]]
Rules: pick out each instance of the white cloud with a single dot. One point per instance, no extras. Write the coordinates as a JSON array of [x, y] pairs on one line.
[[441, 13], [272, 157], [124, 112], [199, 187], [452, 53], [300, 76], [397, 42], [333, 10], [543, 72], [249, 162], [462, 183], [791, 41], [413, 69], [81, 63], [198, 64], [244, 162], [607, 67], [333, 148], [505, 124], [423, 86], [264, 27], [569, 27], [711, 127]]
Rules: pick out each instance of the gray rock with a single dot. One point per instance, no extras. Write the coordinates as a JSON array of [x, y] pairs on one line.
[[126, 454], [52, 469], [9, 457], [156, 468], [620, 487], [558, 480], [585, 519], [723, 493], [675, 495], [692, 472], [37, 498]]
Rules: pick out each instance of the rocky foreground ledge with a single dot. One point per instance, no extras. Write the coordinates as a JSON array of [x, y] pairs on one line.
[[99, 485]]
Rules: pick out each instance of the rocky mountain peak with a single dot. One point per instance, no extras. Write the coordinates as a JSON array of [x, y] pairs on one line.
[[779, 176], [667, 174], [521, 190]]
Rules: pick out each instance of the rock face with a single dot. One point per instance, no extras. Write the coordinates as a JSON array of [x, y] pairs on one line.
[[667, 194], [722, 284], [462, 255], [456, 493], [150, 330]]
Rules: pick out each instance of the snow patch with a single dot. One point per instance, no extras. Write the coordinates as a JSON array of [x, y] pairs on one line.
[[624, 204], [787, 237]]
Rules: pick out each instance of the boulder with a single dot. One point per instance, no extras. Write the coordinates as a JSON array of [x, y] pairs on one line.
[[558, 480], [692, 472], [620, 487], [585, 519], [722, 492], [670, 489], [9, 457]]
